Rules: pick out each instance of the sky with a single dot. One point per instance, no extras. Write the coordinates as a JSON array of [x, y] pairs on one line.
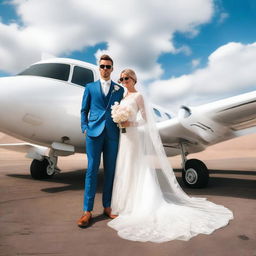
[[185, 52]]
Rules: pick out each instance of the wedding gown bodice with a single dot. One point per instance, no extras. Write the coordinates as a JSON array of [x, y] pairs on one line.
[[133, 102]]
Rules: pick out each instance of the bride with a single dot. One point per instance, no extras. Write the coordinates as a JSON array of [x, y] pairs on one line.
[[147, 200]]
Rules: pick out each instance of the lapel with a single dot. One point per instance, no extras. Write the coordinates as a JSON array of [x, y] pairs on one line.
[[110, 93]]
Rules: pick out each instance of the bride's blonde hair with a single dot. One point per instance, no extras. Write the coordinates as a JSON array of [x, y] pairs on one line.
[[130, 73]]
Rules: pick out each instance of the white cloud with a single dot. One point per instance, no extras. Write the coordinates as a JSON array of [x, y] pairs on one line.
[[223, 16], [195, 63], [184, 49], [230, 70], [136, 32]]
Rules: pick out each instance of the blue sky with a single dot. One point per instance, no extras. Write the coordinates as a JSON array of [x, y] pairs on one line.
[[239, 26], [165, 46]]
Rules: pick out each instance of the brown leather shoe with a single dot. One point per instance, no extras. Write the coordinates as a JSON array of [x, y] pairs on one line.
[[84, 221], [107, 212]]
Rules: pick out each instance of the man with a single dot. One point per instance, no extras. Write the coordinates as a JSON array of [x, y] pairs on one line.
[[102, 136]]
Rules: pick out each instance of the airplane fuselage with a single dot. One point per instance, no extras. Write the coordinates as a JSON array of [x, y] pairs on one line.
[[48, 111], [42, 104]]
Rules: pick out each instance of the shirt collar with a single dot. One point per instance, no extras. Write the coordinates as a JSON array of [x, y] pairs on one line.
[[105, 82]]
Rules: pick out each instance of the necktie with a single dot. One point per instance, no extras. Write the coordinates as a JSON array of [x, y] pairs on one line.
[[105, 88]]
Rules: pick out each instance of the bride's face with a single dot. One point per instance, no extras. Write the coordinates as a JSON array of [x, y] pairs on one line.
[[127, 81]]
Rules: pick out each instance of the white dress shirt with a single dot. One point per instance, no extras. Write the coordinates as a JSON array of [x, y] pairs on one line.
[[105, 85]]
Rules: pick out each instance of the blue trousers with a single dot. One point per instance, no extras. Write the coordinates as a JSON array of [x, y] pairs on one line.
[[94, 147]]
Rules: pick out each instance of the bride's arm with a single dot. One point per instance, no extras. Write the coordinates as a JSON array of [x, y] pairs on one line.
[[140, 102]]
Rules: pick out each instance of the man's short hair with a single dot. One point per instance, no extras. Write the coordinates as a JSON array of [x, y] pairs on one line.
[[106, 57]]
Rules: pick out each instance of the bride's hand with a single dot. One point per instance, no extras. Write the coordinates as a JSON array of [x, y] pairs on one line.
[[125, 124]]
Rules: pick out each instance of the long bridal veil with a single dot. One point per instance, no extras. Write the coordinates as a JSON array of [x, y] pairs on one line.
[[161, 211]]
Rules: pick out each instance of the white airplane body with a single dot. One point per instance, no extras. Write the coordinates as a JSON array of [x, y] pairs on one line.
[[42, 110], [42, 107]]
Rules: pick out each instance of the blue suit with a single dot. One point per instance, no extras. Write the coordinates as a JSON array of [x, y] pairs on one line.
[[102, 135]]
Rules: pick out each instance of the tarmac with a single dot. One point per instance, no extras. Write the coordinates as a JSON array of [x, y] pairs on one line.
[[39, 217]]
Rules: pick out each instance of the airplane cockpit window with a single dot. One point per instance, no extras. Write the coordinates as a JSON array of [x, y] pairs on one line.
[[82, 76], [58, 71], [157, 112]]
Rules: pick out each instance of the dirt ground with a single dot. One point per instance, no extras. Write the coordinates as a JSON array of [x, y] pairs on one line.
[[39, 217]]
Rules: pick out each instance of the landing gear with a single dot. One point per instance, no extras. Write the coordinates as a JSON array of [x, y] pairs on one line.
[[195, 174], [43, 169]]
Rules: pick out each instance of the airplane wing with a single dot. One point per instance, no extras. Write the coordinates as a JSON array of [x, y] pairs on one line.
[[33, 151], [39, 152], [199, 127]]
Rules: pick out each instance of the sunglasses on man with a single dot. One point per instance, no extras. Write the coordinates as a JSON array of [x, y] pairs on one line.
[[105, 66]]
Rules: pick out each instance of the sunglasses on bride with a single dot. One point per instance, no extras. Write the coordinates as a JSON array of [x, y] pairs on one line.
[[124, 78]]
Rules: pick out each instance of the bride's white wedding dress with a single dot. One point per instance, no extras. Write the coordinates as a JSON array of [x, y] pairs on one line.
[[150, 204]]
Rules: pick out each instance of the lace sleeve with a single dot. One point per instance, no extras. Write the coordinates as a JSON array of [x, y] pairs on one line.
[[141, 106], [141, 117]]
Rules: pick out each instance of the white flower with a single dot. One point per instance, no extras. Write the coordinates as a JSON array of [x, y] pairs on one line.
[[120, 113], [116, 87]]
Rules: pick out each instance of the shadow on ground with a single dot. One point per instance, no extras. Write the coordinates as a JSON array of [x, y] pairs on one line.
[[221, 183]]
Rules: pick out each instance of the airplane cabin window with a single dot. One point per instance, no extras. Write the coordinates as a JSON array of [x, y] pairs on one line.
[[51, 70], [168, 115], [157, 112], [82, 76]]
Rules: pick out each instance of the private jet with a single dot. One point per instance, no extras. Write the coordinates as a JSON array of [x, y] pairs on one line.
[[41, 106]]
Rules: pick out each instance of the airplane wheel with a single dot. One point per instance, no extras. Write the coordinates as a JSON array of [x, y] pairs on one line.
[[38, 169], [196, 174]]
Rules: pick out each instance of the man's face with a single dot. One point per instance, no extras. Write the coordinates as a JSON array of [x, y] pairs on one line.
[[105, 72]]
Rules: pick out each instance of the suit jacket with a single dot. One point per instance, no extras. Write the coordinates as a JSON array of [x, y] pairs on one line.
[[96, 109]]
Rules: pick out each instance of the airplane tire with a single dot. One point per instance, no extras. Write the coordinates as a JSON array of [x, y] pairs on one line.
[[196, 174], [38, 169]]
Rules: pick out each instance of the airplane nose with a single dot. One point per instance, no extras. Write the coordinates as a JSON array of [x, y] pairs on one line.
[[8, 85], [10, 89], [4, 87]]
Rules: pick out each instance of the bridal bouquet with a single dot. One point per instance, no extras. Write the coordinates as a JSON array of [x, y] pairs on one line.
[[120, 114]]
